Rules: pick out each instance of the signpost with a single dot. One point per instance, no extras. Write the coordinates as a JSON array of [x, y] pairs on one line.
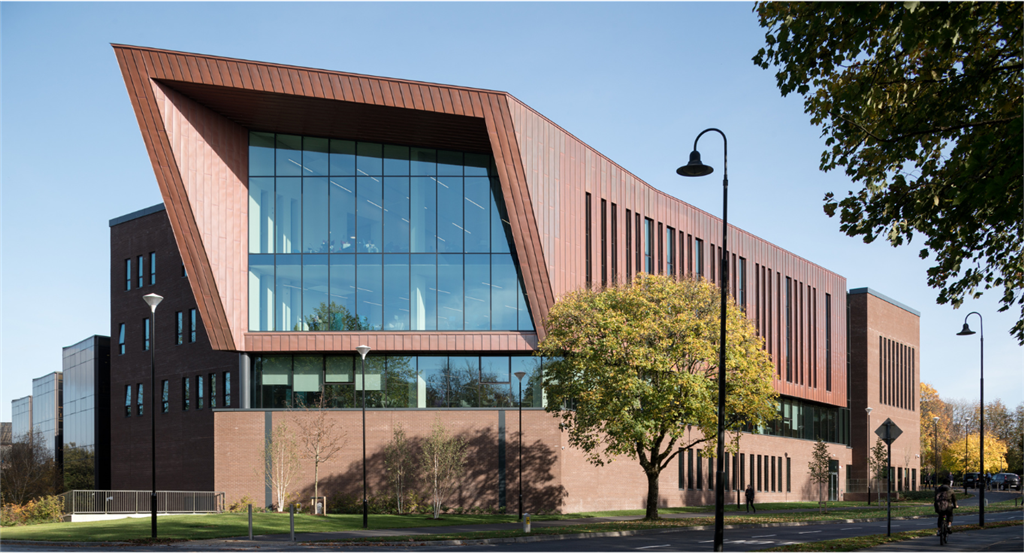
[[888, 432]]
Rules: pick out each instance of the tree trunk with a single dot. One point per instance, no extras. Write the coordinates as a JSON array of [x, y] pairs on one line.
[[652, 495], [316, 485]]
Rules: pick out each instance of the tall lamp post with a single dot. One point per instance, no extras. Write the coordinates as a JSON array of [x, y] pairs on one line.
[[867, 455], [520, 376], [981, 426], [153, 300], [695, 168], [935, 430], [363, 350]]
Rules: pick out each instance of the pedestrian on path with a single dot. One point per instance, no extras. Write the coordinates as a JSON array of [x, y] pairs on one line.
[[750, 499]]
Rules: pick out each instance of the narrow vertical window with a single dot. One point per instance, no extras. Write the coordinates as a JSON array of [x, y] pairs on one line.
[[682, 253], [128, 274], [152, 268], [881, 370], [166, 396], [789, 330], [186, 393], [757, 299], [661, 250], [141, 281], [128, 400], [629, 247], [227, 389], [184, 273], [139, 401], [648, 246], [639, 245], [698, 252], [689, 469], [615, 244], [700, 471], [213, 390], [145, 334], [712, 263], [588, 243], [743, 471], [768, 316], [120, 339], [682, 468], [179, 335], [689, 254], [730, 271], [725, 471], [773, 473], [711, 473], [758, 473], [789, 474], [192, 316], [814, 334], [604, 243], [199, 392], [670, 251], [741, 277]]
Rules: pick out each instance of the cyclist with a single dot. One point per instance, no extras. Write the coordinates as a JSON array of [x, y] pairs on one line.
[[945, 502]]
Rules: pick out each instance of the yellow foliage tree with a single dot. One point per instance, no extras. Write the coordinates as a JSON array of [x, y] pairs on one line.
[[964, 455]]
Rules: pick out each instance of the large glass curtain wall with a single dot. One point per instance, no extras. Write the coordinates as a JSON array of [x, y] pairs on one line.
[[396, 381], [809, 421], [347, 235]]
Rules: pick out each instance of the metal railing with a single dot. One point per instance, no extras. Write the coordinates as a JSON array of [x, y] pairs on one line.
[[80, 502]]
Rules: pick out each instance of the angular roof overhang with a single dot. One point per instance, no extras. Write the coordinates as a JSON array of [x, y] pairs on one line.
[[195, 112]]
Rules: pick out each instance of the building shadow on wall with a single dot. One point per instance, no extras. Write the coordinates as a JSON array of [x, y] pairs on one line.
[[479, 485]]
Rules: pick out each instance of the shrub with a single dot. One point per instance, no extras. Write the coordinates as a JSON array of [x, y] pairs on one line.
[[242, 504], [48, 508], [344, 504]]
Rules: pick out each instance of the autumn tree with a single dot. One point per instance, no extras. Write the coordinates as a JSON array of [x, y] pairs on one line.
[[79, 467], [921, 104], [638, 363], [443, 463], [817, 468], [320, 436], [879, 461], [279, 463], [965, 455]]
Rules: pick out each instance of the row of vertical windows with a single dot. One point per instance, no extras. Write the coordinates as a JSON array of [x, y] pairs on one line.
[[139, 277], [896, 374], [203, 383], [185, 328], [766, 471], [797, 418]]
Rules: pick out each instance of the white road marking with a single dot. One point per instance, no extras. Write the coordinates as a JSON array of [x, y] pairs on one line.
[[764, 536], [653, 546], [706, 541], [810, 532]]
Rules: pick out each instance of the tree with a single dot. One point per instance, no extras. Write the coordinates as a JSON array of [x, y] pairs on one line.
[[638, 363], [932, 406], [443, 460], [398, 462], [279, 463], [79, 467], [28, 470], [817, 468], [332, 317], [879, 461], [921, 103], [321, 438], [1015, 446], [964, 455]]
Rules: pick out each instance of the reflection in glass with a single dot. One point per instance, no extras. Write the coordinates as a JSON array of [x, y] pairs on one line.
[[274, 377], [423, 289], [477, 164], [343, 157], [314, 215], [495, 390], [396, 160], [449, 292], [306, 373], [423, 214], [478, 291], [396, 292], [463, 381], [449, 219], [315, 307], [532, 382], [449, 163], [476, 214], [368, 214], [369, 300], [343, 214], [339, 382], [433, 374], [261, 215], [369, 160], [374, 371], [288, 284], [261, 154], [504, 313], [314, 157], [289, 156], [401, 386], [288, 216], [343, 293], [424, 162], [501, 231], [396, 214]]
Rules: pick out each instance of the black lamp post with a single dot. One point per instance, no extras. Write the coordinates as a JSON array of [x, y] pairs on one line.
[[935, 430], [363, 350], [520, 376], [867, 456], [981, 426], [153, 300], [695, 168]]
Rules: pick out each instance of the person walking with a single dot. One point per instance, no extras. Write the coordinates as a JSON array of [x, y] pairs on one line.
[[945, 502], [750, 499]]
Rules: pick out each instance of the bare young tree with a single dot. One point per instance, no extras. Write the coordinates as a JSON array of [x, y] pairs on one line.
[[817, 468], [279, 463], [444, 458], [320, 436], [398, 462]]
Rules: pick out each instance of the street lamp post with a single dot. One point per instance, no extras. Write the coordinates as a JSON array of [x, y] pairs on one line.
[[935, 430], [695, 168], [981, 426], [520, 376], [867, 454], [153, 300], [363, 350]]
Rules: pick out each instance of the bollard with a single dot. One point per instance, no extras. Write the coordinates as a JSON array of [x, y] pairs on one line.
[[291, 519], [526, 523], [250, 522]]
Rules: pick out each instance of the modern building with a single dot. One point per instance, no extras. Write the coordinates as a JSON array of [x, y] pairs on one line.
[[307, 212], [6, 438], [21, 418], [47, 412], [87, 403]]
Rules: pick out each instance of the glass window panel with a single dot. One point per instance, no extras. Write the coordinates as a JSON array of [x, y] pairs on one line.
[[261, 154], [343, 214], [423, 291], [275, 381], [288, 286], [306, 373], [396, 292], [339, 380], [423, 162], [314, 215], [314, 157], [369, 159], [477, 214], [433, 377], [400, 383], [369, 202], [463, 381], [449, 220], [374, 376], [449, 292], [525, 321], [288, 215], [501, 231], [396, 214], [477, 164], [343, 157], [478, 292], [423, 214], [289, 156], [449, 163], [369, 296], [532, 381], [316, 313], [227, 389], [396, 160], [504, 285], [343, 293], [494, 369], [496, 395]]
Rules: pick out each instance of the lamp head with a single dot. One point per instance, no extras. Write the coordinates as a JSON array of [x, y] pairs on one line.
[[695, 168], [966, 330], [153, 300], [935, 419], [520, 375], [868, 410], [363, 350]]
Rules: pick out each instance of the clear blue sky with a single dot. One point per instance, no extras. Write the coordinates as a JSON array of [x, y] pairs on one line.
[[635, 81]]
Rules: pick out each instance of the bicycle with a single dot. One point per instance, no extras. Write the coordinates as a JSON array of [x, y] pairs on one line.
[[944, 532]]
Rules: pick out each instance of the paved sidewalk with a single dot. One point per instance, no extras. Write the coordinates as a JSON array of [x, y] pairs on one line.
[[990, 539]]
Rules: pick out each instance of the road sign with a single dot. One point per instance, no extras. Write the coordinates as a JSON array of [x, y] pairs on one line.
[[888, 432]]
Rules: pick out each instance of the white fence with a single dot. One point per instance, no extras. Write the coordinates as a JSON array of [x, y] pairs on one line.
[[104, 502]]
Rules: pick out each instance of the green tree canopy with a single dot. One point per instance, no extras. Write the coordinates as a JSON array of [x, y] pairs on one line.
[[638, 364], [921, 103]]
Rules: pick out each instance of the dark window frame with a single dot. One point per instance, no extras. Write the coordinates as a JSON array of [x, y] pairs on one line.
[[121, 339], [166, 396], [179, 331], [588, 242], [142, 273], [615, 244], [145, 334], [604, 243], [152, 268]]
